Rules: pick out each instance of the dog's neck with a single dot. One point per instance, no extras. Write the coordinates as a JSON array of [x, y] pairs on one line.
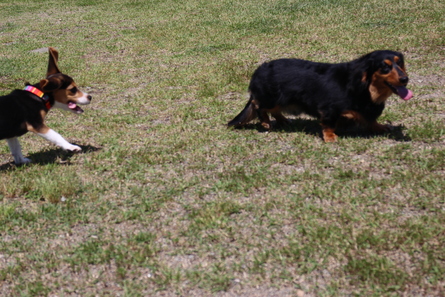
[[39, 94]]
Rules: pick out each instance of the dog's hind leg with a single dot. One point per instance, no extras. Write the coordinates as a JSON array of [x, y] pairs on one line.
[[264, 119], [279, 117], [16, 151]]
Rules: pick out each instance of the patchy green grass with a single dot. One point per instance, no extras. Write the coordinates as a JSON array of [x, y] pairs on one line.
[[164, 200]]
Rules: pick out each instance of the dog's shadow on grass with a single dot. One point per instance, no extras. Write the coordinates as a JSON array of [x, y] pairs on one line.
[[346, 129], [56, 155]]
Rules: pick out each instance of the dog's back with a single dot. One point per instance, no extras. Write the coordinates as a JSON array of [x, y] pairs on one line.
[[295, 82], [15, 112]]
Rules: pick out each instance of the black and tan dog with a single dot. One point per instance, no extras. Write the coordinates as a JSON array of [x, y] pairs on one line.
[[25, 110], [355, 90]]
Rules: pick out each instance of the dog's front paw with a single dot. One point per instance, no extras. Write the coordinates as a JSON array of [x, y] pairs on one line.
[[380, 129], [329, 135], [74, 148], [330, 138]]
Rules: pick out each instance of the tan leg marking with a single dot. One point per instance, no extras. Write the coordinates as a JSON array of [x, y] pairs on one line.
[[328, 134]]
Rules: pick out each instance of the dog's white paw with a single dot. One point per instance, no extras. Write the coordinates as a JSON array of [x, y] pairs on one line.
[[74, 148]]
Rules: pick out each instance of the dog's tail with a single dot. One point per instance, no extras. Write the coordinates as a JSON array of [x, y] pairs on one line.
[[246, 115]]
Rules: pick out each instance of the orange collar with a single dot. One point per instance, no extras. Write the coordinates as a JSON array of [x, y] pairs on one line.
[[39, 94]]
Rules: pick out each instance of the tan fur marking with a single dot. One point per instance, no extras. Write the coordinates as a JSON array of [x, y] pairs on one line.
[[353, 115], [65, 95], [255, 104], [30, 128], [43, 113], [328, 134], [378, 89], [43, 129]]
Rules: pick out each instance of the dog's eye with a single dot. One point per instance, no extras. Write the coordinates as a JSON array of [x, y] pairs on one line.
[[385, 69], [73, 90]]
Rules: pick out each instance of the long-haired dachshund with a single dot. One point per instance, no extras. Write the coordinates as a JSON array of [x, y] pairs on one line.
[[354, 90], [25, 110]]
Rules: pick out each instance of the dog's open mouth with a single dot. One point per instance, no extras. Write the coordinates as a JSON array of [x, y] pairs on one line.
[[402, 91], [74, 107]]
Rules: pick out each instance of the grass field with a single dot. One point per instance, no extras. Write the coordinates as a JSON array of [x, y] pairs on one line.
[[164, 200]]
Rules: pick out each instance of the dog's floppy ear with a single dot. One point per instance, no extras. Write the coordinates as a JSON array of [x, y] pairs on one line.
[[370, 67], [52, 62], [50, 84]]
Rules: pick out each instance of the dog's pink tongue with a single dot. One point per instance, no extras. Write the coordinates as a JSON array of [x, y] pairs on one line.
[[404, 93], [72, 105]]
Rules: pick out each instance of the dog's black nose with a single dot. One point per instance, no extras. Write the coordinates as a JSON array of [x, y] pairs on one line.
[[403, 80], [89, 97]]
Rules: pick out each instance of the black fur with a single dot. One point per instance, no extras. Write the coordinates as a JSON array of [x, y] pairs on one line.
[[322, 90], [17, 109]]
